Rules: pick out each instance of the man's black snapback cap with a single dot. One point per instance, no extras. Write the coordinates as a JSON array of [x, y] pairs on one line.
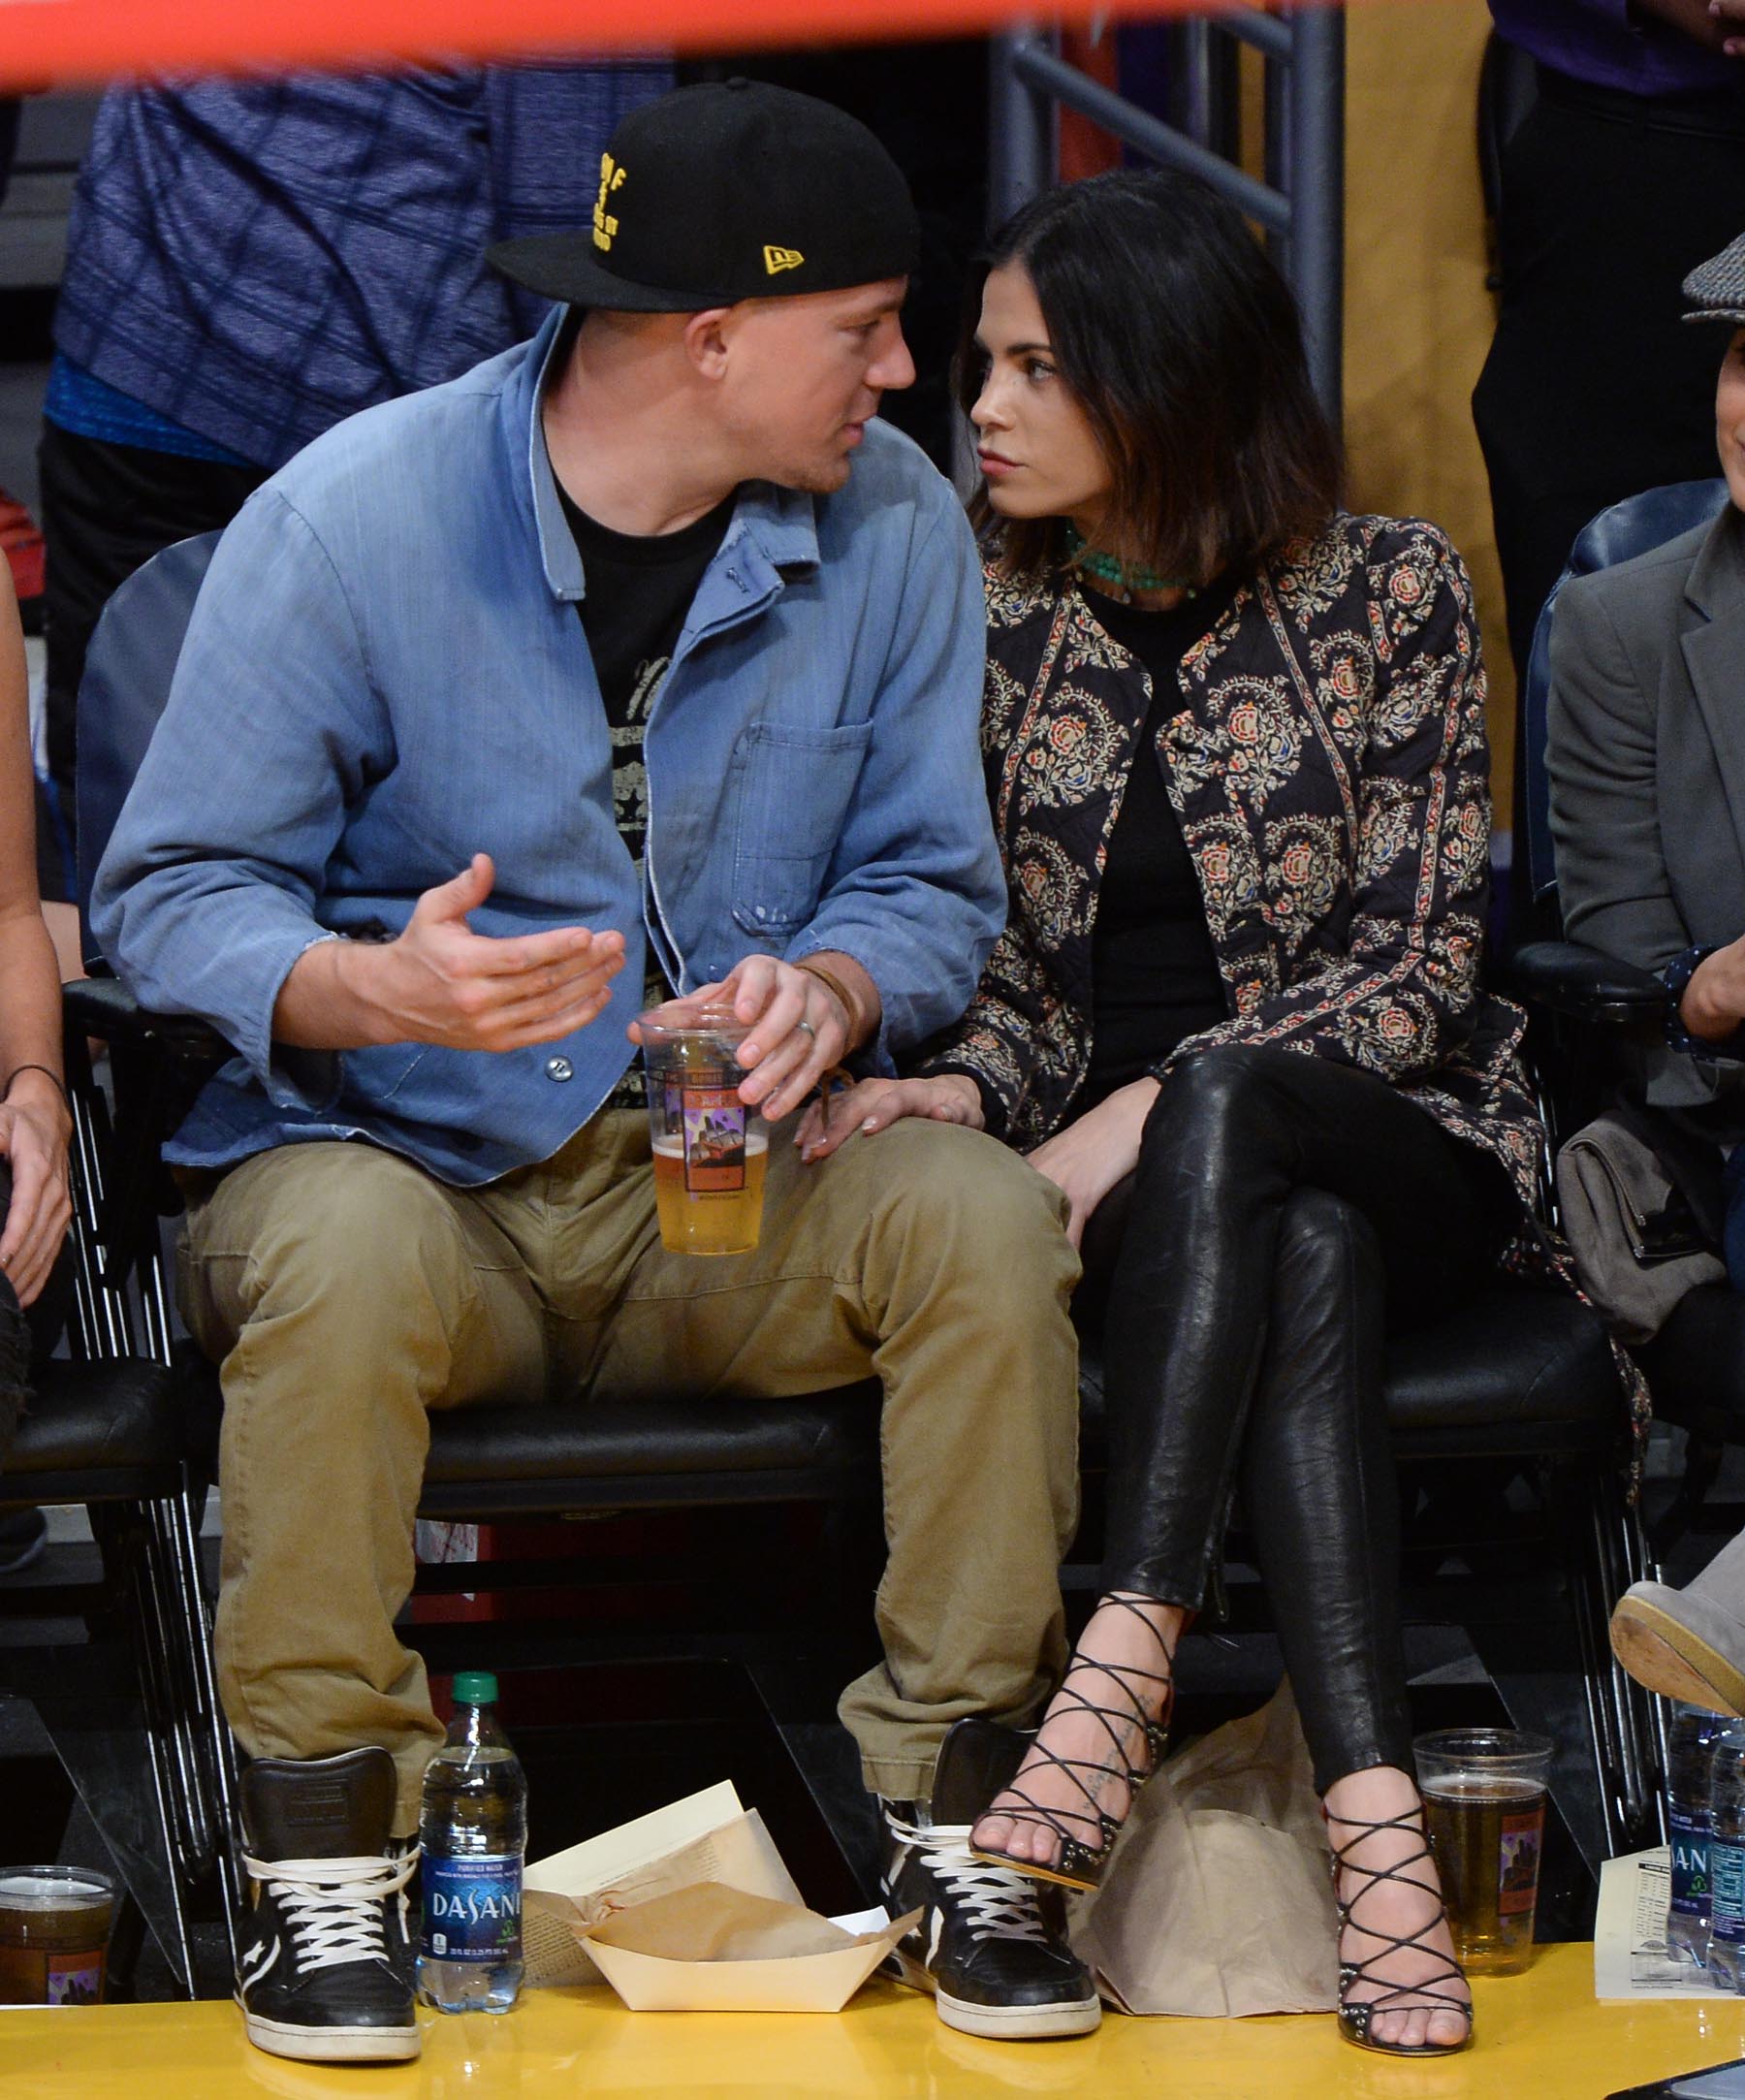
[[722, 192]]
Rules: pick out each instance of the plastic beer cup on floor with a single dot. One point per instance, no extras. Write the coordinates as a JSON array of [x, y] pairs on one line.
[[711, 1150], [1484, 1808], [55, 1930]]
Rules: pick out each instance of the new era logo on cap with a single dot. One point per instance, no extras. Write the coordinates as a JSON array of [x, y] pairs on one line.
[[777, 260]]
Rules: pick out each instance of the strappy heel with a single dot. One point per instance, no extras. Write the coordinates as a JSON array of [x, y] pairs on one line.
[[1426, 1996], [1078, 1864]]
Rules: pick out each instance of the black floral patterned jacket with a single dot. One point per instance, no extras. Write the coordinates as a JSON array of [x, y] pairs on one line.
[[1328, 763]]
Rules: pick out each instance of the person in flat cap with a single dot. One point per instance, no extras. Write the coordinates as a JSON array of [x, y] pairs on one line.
[[1647, 768], [642, 661], [1717, 288]]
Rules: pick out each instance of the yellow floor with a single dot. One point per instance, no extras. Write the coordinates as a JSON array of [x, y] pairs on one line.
[[1540, 2035]]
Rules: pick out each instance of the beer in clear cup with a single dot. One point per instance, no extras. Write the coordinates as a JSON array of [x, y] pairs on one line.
[[711, 1150], [54, 1931], [1485, 1796]]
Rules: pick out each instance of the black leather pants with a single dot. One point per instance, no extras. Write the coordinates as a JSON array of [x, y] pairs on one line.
[[1287, 1213]]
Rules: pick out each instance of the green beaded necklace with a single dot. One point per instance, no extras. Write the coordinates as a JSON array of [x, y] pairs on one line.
[[1109, 569]]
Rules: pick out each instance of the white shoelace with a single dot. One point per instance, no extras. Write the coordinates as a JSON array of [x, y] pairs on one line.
[[333, 1906], [1000, 1903]]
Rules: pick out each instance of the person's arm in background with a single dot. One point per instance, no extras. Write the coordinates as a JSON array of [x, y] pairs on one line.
[[1612, 872], [1709, 22], [35, 1126], [1600, 756], [547, 127]]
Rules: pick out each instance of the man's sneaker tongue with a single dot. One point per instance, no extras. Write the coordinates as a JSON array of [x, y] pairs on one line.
[[980, 1761], [320, 1808]]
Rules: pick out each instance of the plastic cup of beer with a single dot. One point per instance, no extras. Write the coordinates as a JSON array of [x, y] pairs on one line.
[[711, 1150], [55, 1930], [1484, 1808]]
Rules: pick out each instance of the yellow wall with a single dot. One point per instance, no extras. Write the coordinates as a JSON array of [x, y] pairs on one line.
[[1418, 315]]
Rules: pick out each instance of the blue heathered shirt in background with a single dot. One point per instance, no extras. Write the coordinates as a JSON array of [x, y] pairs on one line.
[[256, 260]]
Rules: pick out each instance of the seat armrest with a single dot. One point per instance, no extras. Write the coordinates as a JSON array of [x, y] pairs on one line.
[[1584, 983], [104, 1009], [158, 1064]]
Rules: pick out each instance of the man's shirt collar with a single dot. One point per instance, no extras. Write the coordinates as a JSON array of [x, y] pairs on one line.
[[780, 525]]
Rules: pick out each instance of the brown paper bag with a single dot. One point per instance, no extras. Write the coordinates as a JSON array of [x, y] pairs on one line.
[[1217, 1900]]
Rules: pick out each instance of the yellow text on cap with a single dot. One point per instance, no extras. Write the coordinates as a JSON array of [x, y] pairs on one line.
[[777, 260], [612, 177]]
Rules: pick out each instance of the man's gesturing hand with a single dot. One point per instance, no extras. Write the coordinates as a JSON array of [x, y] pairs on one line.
[[442, 983]]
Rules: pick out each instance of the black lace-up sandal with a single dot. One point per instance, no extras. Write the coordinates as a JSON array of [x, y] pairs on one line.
[[1431, 1995], [1078, 1864]]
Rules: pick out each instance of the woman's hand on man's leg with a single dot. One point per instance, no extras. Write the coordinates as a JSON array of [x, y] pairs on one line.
[[874, 1105]]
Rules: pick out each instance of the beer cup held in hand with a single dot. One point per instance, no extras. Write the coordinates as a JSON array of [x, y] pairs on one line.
[[1484, 1809], [710, 1148]]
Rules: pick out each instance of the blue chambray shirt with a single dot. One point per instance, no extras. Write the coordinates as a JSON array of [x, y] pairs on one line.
[[385, 674]]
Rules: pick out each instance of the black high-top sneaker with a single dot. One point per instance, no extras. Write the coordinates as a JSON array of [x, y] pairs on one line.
[[324, 1963], [983, 1946]]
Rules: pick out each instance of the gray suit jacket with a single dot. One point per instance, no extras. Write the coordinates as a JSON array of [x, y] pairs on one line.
[[1646, 754]]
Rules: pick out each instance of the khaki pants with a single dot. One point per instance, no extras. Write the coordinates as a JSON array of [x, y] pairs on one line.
[[345, 1292]]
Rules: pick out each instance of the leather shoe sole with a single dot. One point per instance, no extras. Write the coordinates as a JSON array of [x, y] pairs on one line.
[[1663, 1653]]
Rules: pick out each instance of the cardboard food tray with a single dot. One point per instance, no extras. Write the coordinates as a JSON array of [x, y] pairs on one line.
[[711, 1949]]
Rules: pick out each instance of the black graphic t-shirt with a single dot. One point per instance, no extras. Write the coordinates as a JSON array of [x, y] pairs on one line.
[[638, 592]]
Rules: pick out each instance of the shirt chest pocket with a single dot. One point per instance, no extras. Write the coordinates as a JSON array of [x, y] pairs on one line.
[[791, 796]]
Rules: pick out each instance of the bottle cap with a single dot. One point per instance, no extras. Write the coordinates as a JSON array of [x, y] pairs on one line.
[[475, 1688]]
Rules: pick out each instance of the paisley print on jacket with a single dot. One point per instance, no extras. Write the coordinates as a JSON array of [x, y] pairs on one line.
[[1330, 769], [1328, 763]]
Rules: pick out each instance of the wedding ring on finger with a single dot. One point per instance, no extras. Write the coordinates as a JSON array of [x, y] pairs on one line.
[[808, 1028]]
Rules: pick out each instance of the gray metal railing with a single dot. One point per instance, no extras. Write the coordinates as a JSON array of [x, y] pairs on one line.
[[1299, 206]]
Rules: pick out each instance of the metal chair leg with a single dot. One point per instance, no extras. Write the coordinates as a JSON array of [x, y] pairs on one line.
[[1628, 1735], [215, 1745], [1702, 1465], [125, 1532]]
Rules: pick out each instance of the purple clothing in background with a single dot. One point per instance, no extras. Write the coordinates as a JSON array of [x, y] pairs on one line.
[[256, 260], [1607, 43]]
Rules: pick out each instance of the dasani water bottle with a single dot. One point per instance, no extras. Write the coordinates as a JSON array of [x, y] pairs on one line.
[[1690, 1743], [1726, 1855], [474, 1830]]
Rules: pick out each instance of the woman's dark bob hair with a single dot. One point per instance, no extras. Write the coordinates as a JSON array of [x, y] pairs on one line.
[[1181, 343]]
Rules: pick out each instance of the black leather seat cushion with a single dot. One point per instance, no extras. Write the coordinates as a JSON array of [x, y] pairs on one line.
[[1696, 1365], [603, 1454], [598, 1453], [98, 1431], [1517, 1371]]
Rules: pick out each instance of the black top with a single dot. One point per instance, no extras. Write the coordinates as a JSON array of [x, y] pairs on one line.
[[1154, 971], [639, 590]]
